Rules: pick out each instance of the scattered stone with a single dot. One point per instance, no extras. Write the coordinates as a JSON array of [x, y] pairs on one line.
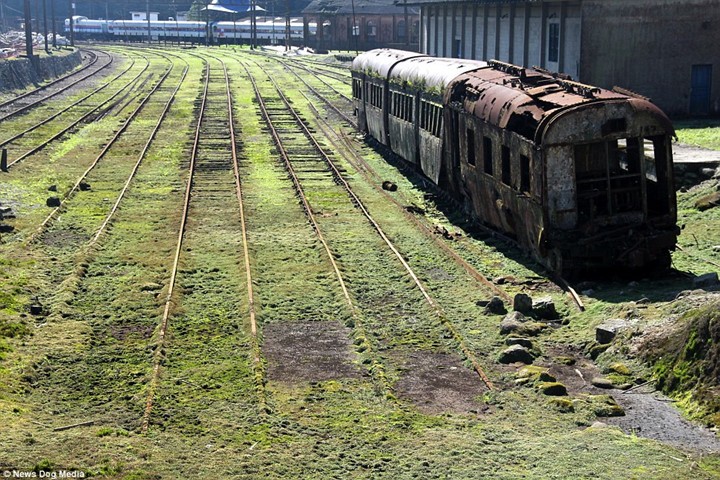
[[52, 202], [706, 280], [625, 386], [595, 350], [620, 368], [562, 405], [565, 360], [545, 308], [389, 186], [499, 281], [522, 303], [605, 406], [525, 342], [36, 309], [708, 201], [516, 353], [52, 188], [555, 389], [532, 329], [716, 248], [512, 322], [496, 306], [84, 186], [599, 424], [601, 382], [415, 209], [606, 332]]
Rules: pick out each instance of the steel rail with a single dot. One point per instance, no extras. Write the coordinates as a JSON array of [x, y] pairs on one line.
[[60, 112], [80, 120], [358, 203], [32, 104], [158, 355], [102, 154], [377, 367]]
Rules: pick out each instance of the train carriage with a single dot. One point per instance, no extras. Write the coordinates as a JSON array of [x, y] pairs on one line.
[[581, 177]]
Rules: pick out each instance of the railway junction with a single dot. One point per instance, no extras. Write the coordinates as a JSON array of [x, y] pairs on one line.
[[209, 272]]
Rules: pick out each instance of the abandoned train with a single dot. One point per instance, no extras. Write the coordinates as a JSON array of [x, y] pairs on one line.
[[579, 176]]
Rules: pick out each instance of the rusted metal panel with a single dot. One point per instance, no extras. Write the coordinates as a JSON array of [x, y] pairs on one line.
[[375, 122], [431, 149], [402, 139], [560, 186]]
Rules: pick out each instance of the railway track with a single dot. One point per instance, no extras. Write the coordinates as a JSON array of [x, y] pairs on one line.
[[213, 179], [91, 114], [295, 136], [24, 102]]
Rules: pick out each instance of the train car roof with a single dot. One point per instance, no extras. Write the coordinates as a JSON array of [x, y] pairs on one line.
[[523, 100], [432, 72], [381, 60]]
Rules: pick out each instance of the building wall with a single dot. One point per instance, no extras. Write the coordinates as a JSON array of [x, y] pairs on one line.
[[650, 46], [547, 34], [337, 34], [653, 47]]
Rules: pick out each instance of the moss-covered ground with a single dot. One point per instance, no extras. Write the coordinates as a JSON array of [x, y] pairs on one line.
[[376, 392]]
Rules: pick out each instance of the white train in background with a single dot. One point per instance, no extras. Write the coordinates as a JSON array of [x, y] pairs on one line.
[[268, 30]]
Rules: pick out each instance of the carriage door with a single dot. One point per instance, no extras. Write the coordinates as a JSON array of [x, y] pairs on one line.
[[700, 82]]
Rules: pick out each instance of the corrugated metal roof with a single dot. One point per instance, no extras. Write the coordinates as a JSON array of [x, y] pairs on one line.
[[433, 72], [381, 60]]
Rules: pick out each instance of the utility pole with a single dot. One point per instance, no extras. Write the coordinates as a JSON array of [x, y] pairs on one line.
[[287, 26], [52, 15], [407, 26], [71, 9], [207, 23], [253, 24], [147, 14], [45, 29], [28, 30]]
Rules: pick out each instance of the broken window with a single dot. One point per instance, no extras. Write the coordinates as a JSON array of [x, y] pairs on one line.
[[470, 136], [656, 175], [505, 165], [554, 42], [487, 155], [524, 174], [608, 178]]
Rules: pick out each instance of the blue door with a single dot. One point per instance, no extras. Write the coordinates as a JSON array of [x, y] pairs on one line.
[[700, 89]]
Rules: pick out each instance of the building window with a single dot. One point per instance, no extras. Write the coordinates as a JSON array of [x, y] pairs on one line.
[[554, 43], [401, 30], [371, 29]]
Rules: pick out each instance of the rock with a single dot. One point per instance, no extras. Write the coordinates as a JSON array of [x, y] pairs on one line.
[[565, 360], [601, 382], [499, 280], [606, 406], [606, 332], [620, 368], [525, 342], [512, 322], [555, 389], [52, 202], [716, 248], [706, 280], [84, 186], [52, 188], [532, 329], [389, 186], [562, 405], [496, 306], [545, 308], [708, 201], [516, 353], [599, 424], [36, 309], [595, 350], [535, 373], [522, 303], [707, 172]]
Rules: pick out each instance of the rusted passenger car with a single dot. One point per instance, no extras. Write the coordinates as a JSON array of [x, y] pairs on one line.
[[580, 176]]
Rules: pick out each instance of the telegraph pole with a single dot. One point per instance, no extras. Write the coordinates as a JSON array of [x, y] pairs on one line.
[[28, 30], [52, 15], [253, 24], [147, 14], [45, 29], [287, 26], [71, 9]]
